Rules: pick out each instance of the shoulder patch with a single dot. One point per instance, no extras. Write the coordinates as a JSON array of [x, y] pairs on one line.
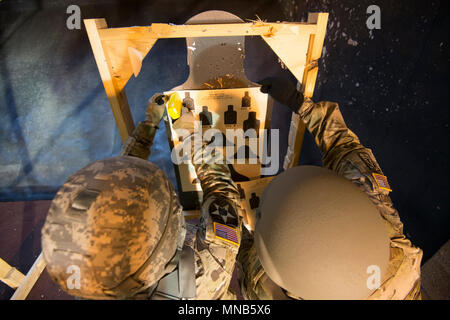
[[382, 181], [226, 233], [222, 211]]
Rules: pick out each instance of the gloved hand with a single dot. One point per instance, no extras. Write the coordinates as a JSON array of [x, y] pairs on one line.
[[283, 91], [155, 109]]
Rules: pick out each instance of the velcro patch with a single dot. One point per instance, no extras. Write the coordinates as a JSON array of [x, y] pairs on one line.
[[382, 181], [222, 211], [226, 233]]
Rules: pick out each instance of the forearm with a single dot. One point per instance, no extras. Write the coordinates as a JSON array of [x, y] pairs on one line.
[[215, 178], [221, 224], [341, 149], [139, 142], [344, 154], [210, 167], [326, 124]]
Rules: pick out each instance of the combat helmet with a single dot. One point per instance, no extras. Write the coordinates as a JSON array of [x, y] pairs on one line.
[[113, 229], [319, 236]]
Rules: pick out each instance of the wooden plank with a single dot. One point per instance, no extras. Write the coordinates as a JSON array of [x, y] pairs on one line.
[[32, 276], [297, 128], [10, 275], [314, 52], [119, 42], [292, 50], [308, 83], [300, 129], [125, 58], [164, 30], [136, 58], [114, 90]]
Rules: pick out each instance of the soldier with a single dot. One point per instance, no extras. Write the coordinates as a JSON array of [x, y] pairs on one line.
[[316, 232], [115, 229]]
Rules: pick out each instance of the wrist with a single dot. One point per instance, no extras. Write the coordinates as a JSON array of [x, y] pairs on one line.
[[295, 101], [305, 107], [150, 123]]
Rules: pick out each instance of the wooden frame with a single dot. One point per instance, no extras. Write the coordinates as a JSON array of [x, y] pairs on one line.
[[30, 279], [119, 53], [18, 281], [10, 275], [307, 84]]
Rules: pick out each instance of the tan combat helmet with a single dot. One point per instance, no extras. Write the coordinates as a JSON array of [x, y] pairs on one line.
[[113, 229], [320, 237]]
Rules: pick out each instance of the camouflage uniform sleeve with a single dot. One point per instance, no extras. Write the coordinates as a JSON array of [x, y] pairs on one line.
[[253, 280], [139, 142], [218, 237], [344, 154]]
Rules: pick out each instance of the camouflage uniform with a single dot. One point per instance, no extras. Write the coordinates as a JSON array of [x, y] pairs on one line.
[[344, 154], [214, 256]]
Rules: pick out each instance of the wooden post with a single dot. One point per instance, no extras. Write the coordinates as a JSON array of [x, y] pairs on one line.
[[32, 276], [114, 92], [314, 52], [297, 129], [10, 275]]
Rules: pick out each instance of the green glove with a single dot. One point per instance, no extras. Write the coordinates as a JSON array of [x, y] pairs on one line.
[[283, 91], [155, 109]]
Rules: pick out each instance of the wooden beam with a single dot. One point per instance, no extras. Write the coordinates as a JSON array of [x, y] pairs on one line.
[[296, 135], [10, 275], [292, 51], [314, 52], [125, 58], [136, 57], [113, 87], [308, 82], [164, 30], [125, 48], [32, 276]]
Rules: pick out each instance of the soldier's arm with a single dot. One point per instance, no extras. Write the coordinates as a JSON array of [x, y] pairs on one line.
[[219, 234], [215, 177], [139, 142], [326, 124], [344, 154], [210, 167]]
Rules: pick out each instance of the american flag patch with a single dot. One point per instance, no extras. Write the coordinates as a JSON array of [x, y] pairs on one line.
[[382, 181], [226, 233]]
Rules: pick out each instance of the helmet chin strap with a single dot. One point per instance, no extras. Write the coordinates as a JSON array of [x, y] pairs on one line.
[[173, 263], [179, 279], [170, 267], [180, 283]]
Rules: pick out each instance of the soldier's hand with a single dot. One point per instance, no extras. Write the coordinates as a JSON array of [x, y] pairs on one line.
[[155, 109], [283, 91]]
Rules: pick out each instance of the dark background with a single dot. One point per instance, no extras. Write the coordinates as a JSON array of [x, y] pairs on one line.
[[392, 86]]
